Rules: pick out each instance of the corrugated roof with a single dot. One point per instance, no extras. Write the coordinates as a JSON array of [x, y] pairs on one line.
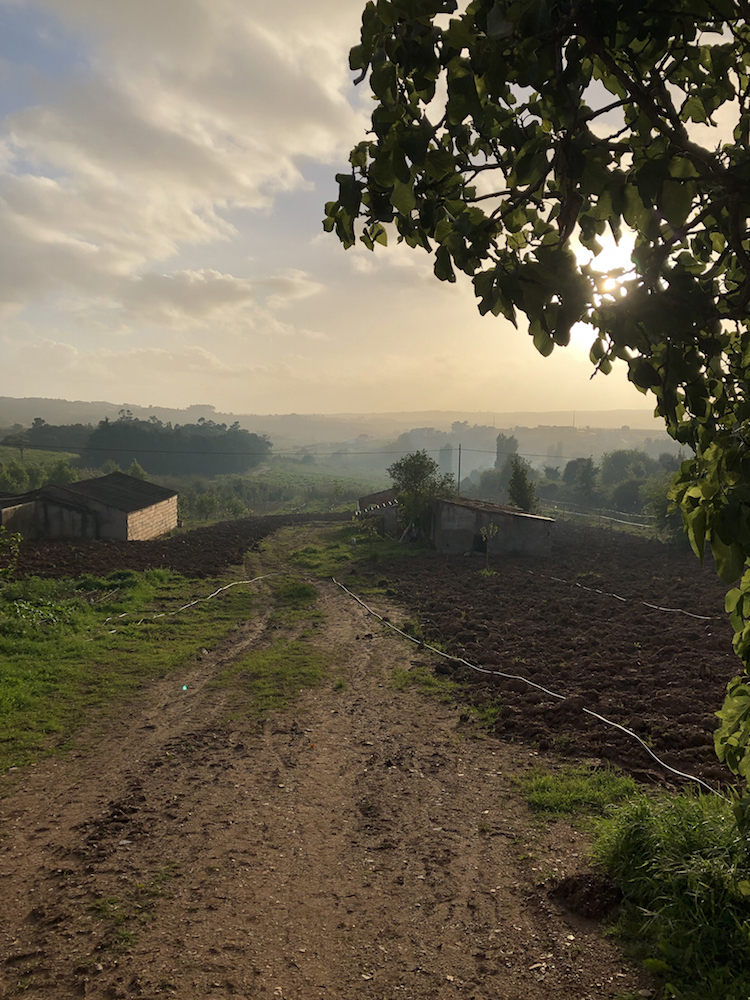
[[375, 499], [492, 508], [15, 499], [120, 491]]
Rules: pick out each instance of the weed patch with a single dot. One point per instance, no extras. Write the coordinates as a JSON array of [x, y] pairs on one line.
[[577, 790], [294, 593], [426, 681], [269, 679], [684, 872]]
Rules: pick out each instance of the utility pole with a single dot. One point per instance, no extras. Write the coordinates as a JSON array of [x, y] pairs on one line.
[[458, 491]]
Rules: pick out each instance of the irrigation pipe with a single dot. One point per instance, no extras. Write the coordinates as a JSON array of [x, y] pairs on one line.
[[625, 600], [190, 604], [539, 687]]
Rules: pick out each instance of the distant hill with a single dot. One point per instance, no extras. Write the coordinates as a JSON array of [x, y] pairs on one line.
[[291, 429]]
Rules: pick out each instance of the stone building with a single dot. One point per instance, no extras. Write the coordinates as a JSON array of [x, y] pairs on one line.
[[116, 506], [457, 529]]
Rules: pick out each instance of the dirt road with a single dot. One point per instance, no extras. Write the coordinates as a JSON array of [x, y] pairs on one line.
[[368, 844]]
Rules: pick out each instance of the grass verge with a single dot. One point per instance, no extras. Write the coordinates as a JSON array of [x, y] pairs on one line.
[[684, 871], [344, 548], [69, 646]]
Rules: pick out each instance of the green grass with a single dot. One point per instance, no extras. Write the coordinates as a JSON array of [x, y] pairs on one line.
[[684, 871], [426, 681], [322, 560], [336, 553], [268, 680], [40, 456], [486, 714], [64, 649], [685, 875], [576, 790], [293, 593]]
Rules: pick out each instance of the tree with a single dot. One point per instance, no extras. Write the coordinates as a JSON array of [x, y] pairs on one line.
[[136, 470], [580, 473], [504, 447], [19, 440], [624, 463], [417, 483], [568, 119], [521, 492]]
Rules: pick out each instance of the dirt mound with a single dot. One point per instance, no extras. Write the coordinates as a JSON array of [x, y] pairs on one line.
[[588, 894], [199, 553]]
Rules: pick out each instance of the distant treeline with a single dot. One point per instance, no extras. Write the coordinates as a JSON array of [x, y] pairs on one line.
[[205, 448], [626, 479]]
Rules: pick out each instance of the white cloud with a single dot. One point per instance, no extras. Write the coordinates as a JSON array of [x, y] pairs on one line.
[[187, 109]]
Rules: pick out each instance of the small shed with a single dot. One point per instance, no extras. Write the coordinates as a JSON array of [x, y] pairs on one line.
[[381, 504], [457, 528], [116, 506]]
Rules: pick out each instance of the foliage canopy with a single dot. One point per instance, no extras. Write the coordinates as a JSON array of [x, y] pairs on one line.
[[417, 482], [507, 135], [521, 491], [205, 447]]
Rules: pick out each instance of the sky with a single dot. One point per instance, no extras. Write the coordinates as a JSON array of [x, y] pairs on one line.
[[164, 166]]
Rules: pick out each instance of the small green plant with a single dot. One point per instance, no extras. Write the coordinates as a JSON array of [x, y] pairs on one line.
[[486, 714], [10, 542], [426, 681], [488, 532]]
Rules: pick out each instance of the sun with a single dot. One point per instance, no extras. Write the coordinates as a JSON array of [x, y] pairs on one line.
[[612, 264]]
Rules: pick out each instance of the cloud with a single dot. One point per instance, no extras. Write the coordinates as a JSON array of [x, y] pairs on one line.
[[184, 112], [194, 300]]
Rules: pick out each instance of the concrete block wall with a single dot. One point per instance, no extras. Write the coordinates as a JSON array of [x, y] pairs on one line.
[[456, 528], [153, 521]]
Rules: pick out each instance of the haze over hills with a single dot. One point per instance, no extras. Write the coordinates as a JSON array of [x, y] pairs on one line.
[[297, 429]]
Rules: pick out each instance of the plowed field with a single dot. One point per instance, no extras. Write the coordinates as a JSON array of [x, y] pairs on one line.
[[198, 553], [620, 625]]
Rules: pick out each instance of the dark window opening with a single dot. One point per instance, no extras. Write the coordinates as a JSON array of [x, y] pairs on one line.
[[480, 544]]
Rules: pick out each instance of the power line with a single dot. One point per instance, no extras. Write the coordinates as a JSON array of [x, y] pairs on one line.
[[282, 453]]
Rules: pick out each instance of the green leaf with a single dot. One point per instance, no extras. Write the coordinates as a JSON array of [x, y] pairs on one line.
[[378, 234], [358, 57], [542, 340], [677, 200], [443, 266], [656, 965], [439, 163], [350, 193], [643, 374], [403, 198], [693, 110], [695, 523], [498, 26], [729, 559]]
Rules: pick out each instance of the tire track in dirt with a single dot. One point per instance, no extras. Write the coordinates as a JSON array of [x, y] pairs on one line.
[[364, 844]]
